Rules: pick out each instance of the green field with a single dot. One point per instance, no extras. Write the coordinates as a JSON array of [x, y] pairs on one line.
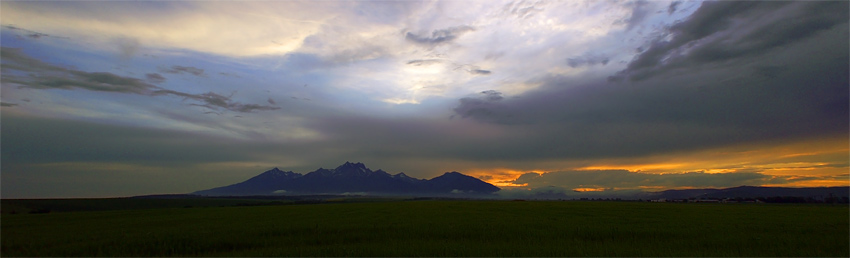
[[434, 228]]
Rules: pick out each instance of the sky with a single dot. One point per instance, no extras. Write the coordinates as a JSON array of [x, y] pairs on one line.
[[107, 99]]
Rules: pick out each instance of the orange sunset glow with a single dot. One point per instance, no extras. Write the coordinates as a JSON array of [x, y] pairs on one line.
[[812, 163]]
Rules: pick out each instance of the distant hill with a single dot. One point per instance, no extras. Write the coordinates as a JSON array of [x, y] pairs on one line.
[[352, 178], [755, 192]]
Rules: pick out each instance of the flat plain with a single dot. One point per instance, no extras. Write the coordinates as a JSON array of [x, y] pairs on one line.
[[425, 228]]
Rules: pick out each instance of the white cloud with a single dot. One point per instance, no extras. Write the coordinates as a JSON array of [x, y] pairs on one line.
[[363, 46], [222, 28]]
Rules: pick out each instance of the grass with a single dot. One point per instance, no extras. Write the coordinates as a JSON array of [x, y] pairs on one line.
[[438, 228], [12, 206]]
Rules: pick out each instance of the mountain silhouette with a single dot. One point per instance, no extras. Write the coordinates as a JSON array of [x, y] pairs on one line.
[[262, 184], [352, 178], [755, 192]]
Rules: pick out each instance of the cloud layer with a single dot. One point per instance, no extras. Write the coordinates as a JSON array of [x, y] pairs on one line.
[[771, 93], [622, 179], [721, 32], [40, 75], [586, 93]]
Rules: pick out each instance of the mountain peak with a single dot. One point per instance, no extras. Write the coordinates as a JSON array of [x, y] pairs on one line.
[[454, 180], [453, 174], [277, 173], [353, 177], [272, 171], [357, 165]]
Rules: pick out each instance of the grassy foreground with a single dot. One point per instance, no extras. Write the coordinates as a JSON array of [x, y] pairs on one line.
[[437, 228]]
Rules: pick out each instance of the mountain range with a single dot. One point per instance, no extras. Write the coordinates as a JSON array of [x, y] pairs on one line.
[[352, 178], [755, 192]]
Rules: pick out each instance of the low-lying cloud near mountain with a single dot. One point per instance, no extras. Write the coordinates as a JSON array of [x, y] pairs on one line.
[[623, 179]]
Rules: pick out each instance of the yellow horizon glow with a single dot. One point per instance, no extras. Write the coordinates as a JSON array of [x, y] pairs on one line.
[[589, 189], [821, 162]]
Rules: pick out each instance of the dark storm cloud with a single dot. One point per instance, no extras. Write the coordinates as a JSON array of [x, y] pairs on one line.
[[438, 37], [177, 69], [216, 101], [605, 120], [640, 11], [6, 104], [24, 71], [30, 142], [52, 147], [482, 107], [155, 78], [31, 34], [673, 7], [41, 75], [95, 81], [725, 31], [28, 72], [626, 179], [421, 62], [471, 69], [411, 143], [492, 95], [33, 140], [796, 91], [271, 101], [248, 108], [15, 59], [587, 60]]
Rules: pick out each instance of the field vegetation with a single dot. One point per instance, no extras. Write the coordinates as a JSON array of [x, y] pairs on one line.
[[435, 228]]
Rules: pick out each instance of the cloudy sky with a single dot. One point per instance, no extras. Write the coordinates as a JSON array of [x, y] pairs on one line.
[[127, 98]]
